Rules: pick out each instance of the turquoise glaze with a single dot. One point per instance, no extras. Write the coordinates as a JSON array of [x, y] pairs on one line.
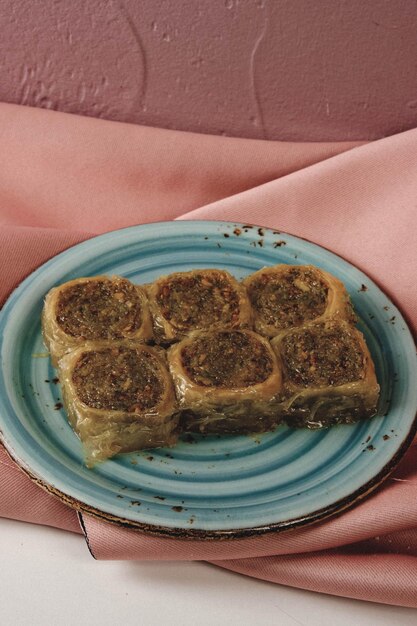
[[232, 485]]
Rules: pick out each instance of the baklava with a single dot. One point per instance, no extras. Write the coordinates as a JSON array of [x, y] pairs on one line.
[[226, 381], [328, 374], [94, 309], [287, 296], [119, 397], [201, 299]]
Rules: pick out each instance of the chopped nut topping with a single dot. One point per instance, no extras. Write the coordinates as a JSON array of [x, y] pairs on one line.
[[288, 299], [119, 379], [227, 359], [198, 301], [99, 309], [324, 354]]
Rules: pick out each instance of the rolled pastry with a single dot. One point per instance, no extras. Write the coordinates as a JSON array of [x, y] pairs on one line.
[[287, 296], [119, 397], [199, 299], [328, 374], [90, 309], [225, 381]]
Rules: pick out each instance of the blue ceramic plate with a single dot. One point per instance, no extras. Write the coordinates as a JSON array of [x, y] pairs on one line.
[[212, 486]]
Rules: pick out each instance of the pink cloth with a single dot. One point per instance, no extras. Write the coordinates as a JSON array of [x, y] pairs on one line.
[[65, 178]]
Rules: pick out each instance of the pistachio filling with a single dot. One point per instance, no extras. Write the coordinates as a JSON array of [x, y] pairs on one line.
[[198, 301], [325, 354], [118, 378], [231, 359], [99, 309], [288, 299]]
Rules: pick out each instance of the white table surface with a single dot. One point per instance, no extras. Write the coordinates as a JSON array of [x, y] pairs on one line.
[[48, 577]]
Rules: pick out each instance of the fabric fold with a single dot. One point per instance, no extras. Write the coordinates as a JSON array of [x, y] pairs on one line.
[[359, 204], [381, 576], [66, 171], [65, 178]]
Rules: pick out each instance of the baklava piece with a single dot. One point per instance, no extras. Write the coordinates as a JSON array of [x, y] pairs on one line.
[[287, 296], [91, 309], [119, 397], [226, 381], [328, 374], [201, 299]]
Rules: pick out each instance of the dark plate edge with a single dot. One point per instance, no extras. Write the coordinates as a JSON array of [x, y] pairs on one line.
[[333, 510]]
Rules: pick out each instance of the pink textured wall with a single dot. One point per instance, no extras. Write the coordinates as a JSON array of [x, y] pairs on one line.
[[278, 69]]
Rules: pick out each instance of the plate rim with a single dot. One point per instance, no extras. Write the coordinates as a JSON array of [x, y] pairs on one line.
[[332, 510], [167, 532]]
